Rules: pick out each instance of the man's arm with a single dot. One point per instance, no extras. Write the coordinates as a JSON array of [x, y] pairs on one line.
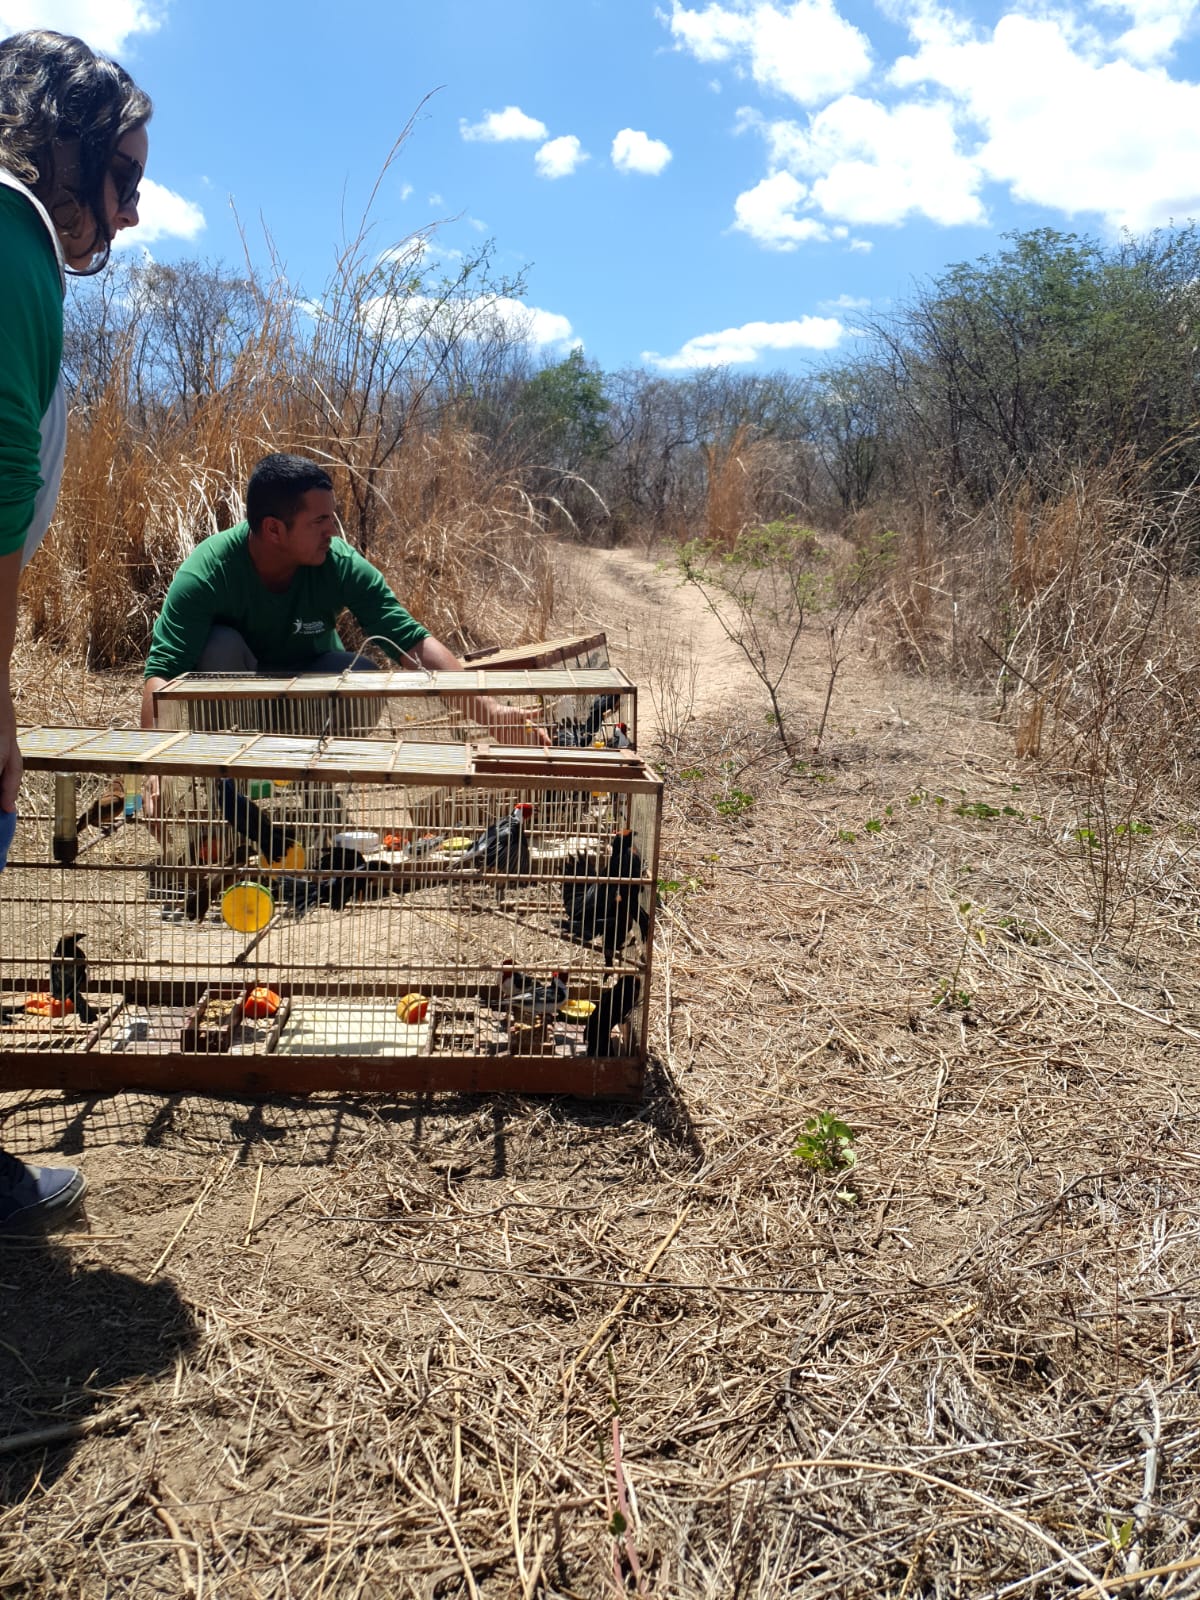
[[375, 608], [506, 722], [149, 689]]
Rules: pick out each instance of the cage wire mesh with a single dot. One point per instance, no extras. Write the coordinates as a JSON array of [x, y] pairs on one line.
[[335, 900], [579, 707]]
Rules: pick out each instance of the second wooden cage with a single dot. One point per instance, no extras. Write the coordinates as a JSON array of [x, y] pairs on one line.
[[579, 707]]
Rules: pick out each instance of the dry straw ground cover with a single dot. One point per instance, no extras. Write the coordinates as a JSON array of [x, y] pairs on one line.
[[317, 1348]]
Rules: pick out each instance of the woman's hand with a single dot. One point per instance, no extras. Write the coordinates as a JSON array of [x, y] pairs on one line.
[[10, 755]]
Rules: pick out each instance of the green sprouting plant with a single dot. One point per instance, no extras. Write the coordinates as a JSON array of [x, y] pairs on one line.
[[736, 803], [873, 825], [948, 994], [950, 999], [692, 774], [668, 886], [1118, 1535], [845, 836], [827, 1144]]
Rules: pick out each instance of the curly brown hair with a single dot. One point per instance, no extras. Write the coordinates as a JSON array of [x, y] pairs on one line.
[[63, 109]]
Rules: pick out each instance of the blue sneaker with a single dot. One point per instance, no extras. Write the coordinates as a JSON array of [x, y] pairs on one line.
[[32, 1198]]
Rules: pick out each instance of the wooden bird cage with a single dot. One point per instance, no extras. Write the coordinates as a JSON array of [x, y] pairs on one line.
[[579, 706], [579, 650], [273, 914]]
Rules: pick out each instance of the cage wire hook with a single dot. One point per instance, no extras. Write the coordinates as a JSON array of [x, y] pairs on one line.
[[373, 638]]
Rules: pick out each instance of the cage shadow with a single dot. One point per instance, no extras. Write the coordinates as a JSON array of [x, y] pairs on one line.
[[317, 1126]]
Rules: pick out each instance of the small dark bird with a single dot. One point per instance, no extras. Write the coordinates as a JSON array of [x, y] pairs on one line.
[[612, 1010], [503, 848], [69, 975], [106, 810], [580, 734], [529, 998], [364, 880], [249, 820], [608, 908]]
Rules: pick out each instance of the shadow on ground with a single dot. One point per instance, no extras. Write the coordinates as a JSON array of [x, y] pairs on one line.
[[76, 1341]]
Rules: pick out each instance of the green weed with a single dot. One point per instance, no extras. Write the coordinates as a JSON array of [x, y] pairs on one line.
[[827, 1144]]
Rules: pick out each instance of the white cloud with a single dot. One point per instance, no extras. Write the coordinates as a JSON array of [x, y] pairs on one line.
[[862, 247], [1061, 124], [872, 163], [637, 152], [498, 126], [805, 50], [846, 302], [406, 190], [768, 214], [480, 318], [1157, 26], [162, 214], [558, 158], [749, 342], [107, 25]]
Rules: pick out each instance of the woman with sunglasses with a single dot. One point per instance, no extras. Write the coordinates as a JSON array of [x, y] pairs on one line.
[[73, 148]]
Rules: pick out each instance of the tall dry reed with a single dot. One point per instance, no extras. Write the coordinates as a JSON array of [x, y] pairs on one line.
[[1079, 615], [458, 539]]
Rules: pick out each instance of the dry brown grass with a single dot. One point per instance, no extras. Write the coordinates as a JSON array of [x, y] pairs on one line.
[[1078, 617], [456, 536], [334, 1348]]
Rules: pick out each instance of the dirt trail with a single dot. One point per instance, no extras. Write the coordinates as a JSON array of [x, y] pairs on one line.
[[659, 631]]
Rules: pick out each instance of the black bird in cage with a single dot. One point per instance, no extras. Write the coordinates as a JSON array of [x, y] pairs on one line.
[[69, 976], [579, 734], [253, 824], [503, 848], [612, 1011], [608, 908], [529, 998]]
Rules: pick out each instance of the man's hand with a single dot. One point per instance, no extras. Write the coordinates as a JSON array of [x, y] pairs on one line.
[[511, 725]]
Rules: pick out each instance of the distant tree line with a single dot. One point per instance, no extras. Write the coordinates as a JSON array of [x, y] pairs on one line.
[[1054, 356]]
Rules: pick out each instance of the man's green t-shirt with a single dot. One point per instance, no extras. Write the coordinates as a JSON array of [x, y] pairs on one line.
[[218, 585]]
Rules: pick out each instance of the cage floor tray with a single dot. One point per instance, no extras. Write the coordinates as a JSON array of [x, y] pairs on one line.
[[351, 1028]]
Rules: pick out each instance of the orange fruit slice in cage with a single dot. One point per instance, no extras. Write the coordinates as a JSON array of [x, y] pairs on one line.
[[45, 1005], [577, 1010], [247, 907], [261, 1002], [412, 1008], [292, 859]]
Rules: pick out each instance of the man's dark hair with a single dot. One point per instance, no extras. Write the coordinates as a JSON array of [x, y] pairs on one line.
[[277, 486], [63, 110]]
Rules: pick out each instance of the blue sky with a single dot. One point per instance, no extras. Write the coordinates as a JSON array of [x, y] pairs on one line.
[[682, 183]]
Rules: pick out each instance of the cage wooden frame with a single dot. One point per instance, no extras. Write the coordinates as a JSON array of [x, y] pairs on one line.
[[575, 650], [575, 704], [619, 783]]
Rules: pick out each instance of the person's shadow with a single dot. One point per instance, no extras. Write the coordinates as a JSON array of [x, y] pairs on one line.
[[74, 1340]]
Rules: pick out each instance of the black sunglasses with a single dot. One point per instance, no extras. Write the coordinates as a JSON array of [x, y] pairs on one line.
[[126, 177]]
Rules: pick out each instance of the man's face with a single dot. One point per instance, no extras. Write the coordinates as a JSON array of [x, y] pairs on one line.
[[313, 527]]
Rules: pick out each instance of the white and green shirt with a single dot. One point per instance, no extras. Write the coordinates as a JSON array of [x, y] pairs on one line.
[[33, 406]]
